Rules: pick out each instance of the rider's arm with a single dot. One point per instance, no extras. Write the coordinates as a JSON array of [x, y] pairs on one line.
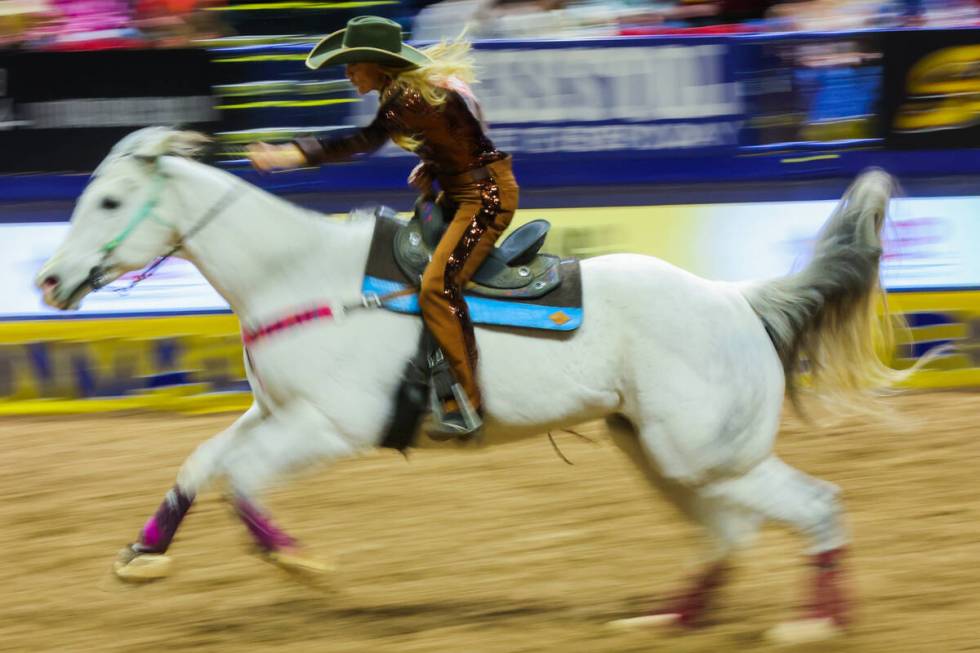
[[327, 149], [392, 117]]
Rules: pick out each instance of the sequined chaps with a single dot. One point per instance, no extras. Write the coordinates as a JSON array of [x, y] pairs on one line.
[[483, 211], [452, 281]]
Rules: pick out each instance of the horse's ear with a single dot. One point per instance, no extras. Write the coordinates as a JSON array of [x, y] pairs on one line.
[[189, 144]]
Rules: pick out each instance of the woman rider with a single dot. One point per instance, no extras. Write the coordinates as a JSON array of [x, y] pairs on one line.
[[426, 107]]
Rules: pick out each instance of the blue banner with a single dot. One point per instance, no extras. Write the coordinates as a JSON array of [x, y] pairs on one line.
[[631, 110], [806, 88], [656, 96]]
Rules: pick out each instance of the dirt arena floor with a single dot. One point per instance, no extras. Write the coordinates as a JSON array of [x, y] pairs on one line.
[[501, 551]]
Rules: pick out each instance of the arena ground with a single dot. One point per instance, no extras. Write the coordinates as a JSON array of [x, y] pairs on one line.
[[504, 551]]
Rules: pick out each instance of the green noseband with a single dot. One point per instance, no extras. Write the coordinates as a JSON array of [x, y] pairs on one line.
[[146, 211]]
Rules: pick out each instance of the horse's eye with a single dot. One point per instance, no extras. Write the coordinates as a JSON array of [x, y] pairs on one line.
[[110, 204]]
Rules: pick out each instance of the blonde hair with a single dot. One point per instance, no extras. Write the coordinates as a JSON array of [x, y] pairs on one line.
[[451, 63]]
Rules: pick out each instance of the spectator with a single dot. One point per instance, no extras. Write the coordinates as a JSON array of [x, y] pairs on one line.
[[735, 11], [176, 23], [827, 15], [80, 16]]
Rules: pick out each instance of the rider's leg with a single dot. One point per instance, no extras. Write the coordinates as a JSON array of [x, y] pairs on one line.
[[484, 211]]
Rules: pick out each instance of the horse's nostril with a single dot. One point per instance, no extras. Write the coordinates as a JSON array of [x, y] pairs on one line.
[[50, 282]]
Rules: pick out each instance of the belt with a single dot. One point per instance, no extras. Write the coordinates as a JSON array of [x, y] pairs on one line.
[[468, 177], [475, 175]]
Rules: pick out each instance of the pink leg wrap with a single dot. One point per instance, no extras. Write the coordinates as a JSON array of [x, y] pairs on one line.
[[691, 605], [159, 530], [829, 600], [266, 534]]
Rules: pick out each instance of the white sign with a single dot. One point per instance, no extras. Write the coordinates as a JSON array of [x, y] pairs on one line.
[[929, 243], [176, 287], [601, 138], [600, 84]]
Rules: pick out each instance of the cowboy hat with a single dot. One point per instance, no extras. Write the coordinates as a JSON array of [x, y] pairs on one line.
[[366, 39]]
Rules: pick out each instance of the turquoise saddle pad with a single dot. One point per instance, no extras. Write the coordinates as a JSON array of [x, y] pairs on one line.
[[559, 310], [484, 310]]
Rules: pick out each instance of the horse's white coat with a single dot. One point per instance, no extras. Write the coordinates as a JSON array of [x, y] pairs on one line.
[[685, 360]]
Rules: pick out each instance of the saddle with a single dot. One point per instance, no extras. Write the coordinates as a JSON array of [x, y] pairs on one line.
[[517, 286], [515, 269]]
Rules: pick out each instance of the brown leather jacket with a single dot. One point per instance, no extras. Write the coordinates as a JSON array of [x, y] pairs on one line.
[[452, 136]]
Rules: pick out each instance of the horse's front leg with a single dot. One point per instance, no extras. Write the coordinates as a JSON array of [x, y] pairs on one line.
[[288, 439], [251, 454], [146, 558]]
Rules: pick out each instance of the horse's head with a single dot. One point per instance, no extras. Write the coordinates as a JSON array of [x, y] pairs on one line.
[[119, 223]]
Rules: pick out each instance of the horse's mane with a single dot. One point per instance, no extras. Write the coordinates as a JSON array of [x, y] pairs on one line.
[[153, 142]]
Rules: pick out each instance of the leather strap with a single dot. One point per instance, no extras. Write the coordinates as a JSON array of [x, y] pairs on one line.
[[468, 177]]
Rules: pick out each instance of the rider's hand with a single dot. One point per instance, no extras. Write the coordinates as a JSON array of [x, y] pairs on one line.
[[266, 157], [421, 178]]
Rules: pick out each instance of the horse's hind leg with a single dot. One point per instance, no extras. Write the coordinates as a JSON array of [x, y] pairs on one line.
[[725, 529], [146, 559], [779, 492]]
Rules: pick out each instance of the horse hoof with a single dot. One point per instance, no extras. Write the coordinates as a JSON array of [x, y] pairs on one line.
[[804, 631], [142, 567], [648, 621], [298, 563]]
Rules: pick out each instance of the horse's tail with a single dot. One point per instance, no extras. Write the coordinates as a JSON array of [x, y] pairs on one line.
[[827, 315]]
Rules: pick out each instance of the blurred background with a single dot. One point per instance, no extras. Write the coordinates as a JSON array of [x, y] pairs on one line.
[[715, 134], [622, 115]]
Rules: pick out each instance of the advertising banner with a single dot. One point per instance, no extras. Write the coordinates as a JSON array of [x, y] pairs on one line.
[[653, 96], [932, 89], [809, 88], [175, 287], [191, 364], [930, 243], [142, 351]]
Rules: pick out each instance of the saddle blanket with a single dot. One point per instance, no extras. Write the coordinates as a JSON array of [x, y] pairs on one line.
[[559, 310]]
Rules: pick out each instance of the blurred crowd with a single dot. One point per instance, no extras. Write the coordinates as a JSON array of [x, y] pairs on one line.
[[101, 24], [598, 18], [95, 24]]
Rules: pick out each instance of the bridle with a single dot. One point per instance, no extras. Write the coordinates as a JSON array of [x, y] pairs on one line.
[[98, 276]]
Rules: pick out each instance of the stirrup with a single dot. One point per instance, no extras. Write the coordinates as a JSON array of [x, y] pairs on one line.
[[468, 427]]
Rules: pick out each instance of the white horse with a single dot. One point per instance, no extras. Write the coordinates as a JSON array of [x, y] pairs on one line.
[[690, 373]]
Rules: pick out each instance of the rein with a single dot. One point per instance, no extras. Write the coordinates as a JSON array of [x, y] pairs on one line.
[[98, 275]]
